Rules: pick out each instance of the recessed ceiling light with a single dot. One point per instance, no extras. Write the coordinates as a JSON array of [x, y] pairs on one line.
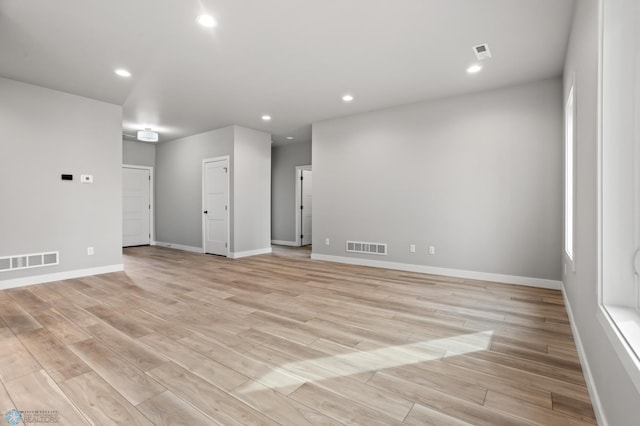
[[347, 98], [266, 117], [475, 68], [207, 21], [122, 72], [289, 137]]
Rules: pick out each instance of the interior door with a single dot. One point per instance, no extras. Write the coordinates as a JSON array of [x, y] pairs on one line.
[[136, 207], [216, 207], [306, 210]]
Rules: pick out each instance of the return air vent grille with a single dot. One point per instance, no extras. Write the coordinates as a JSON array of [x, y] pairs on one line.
[[368, 248], [26, 261], [482, 52]]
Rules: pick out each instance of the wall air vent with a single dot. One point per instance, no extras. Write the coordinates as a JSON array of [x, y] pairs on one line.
[[368, 248], [482, 52], [26, 261]]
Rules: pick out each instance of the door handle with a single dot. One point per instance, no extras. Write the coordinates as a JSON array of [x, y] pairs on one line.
[[206, 212]]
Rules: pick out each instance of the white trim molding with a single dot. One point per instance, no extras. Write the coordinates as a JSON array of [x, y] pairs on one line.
[[610, 319], [584, 362], [240, 254], [458, 273], [284, 243], [179, 247], [59, 276]]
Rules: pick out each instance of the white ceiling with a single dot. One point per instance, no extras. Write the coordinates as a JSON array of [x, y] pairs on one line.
[[291, 59]]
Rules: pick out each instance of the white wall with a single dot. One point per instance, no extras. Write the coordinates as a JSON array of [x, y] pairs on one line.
[[478, 176], [615, 393], [284, 159], [252, 190], [46, 133]]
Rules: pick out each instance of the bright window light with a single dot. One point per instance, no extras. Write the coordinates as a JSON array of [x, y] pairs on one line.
[[351, 363], [569, 184]]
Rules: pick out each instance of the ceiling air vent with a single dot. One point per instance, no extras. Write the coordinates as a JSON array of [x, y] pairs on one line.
[[482, 52], [368, 248]]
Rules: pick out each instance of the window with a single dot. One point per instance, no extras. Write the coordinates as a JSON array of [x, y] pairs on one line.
[[619, 181], [569, 178]]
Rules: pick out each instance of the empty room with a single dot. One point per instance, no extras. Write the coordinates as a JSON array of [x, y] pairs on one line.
[[282, 212]]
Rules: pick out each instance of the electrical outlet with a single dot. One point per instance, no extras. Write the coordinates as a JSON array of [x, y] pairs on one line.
[[327, 242], [89, 251], [412, 248], [432, 250]]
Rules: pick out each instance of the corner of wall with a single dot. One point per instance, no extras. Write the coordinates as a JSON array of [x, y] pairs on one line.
[[584, 361]]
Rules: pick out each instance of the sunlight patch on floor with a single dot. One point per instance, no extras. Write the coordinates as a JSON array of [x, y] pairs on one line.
[[317, 369]]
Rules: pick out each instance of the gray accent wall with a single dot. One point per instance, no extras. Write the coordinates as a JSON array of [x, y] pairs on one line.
[[477, 176], [179, 184], [616, 393], [284, 159], [136, 153], [46, 133]]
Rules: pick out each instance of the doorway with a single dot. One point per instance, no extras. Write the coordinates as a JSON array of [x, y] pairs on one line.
[[215, 206], [137, 205], [304, 206]]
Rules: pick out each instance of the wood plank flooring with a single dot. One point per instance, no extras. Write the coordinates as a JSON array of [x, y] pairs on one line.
[[184, 338]]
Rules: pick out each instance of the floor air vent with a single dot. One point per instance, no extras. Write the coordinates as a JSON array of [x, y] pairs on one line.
[[368, 248], [25, 261]]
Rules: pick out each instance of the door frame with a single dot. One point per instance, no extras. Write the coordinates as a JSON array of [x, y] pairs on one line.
[[203, 205], [298, 187], [152, 216]]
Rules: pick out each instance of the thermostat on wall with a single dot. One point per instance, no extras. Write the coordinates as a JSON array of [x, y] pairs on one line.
[[86, 178]]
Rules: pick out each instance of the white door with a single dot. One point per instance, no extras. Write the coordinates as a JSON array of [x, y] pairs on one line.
[[306, 210], [136, 207], [216, 207]]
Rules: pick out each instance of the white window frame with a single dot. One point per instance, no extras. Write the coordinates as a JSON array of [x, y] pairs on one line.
[[619, 180], [570, 176]]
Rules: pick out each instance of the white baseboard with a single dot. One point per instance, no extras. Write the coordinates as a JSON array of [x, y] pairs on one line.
[[458, 273], [59, 276], [239, 254], [179, 247], [591, 386], [284, 243]]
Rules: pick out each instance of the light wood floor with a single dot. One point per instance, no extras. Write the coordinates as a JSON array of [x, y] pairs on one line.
[[183, 338]]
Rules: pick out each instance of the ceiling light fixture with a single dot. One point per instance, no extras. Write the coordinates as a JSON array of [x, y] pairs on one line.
[[266, 118], [122, 72], [147, 135], [289, 137], [473, 69], [207, 21], [347, 98]]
